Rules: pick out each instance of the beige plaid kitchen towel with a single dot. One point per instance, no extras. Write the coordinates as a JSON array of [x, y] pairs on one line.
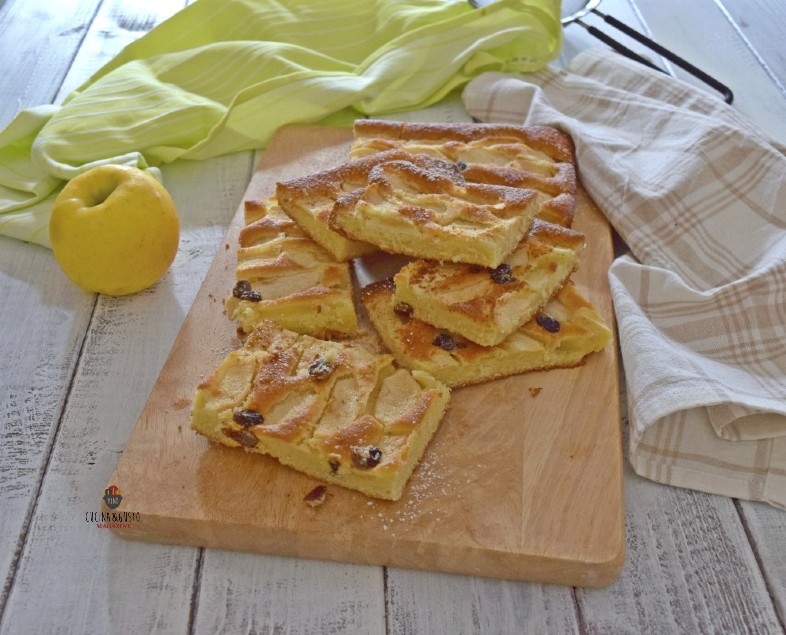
[[699, 195]]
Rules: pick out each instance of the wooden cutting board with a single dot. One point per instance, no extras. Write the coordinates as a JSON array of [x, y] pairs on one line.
[[512, 486]]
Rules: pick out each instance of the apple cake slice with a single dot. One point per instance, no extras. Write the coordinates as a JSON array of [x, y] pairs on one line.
[[486, 305], [284, 276], [309, 199], [540, 158], [561, 335], [423, 211], [332, 410]]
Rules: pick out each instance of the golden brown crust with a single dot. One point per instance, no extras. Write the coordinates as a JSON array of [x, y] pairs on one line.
[[387, 178], [556, 235], [253, 211], [309, 199], [532, 157], [558, 210], [414, 209], [334, 182], [551, 141], [266, 227], [351, 175], [563, 181]]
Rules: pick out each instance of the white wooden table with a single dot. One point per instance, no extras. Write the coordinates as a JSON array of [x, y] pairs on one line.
[[76, 369]]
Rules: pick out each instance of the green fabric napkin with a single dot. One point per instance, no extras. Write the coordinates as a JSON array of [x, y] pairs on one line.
[[223, 75]]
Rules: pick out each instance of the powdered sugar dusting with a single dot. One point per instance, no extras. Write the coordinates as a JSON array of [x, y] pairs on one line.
[[422, 503]]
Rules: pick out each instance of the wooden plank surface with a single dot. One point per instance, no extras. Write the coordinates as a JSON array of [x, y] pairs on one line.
[[490, 497], [427, 602], [38, 42], [690, 29], [765, 31], [239, 593], [43, 320], [125, 347], [689, 569], [116, 24], [36, 369]]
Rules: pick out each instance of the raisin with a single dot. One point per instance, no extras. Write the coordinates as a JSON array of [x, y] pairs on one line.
[[246, 438], [403, 309], [366, 457], [447, 342], [316, 496], [334, 465], [320, 369], [461, 165], [502, 274], [547, 322], [243, 291], [241, 287], [247, 418]]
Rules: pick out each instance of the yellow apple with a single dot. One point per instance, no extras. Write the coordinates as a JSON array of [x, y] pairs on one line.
[[114, 229]]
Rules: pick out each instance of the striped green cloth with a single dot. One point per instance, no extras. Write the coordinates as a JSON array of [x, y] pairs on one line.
[[223, 75]]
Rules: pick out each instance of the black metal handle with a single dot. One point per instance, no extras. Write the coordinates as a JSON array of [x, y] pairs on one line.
[[620, 48], [724, 90]]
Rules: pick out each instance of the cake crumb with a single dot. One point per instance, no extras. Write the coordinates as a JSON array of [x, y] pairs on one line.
[[534, 390]]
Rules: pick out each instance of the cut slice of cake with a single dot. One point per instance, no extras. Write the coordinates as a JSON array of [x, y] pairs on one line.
[[486, 305], [331, 410], [535, 157], [309, 199], [283, 275], [562, 334], [427, 212]]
